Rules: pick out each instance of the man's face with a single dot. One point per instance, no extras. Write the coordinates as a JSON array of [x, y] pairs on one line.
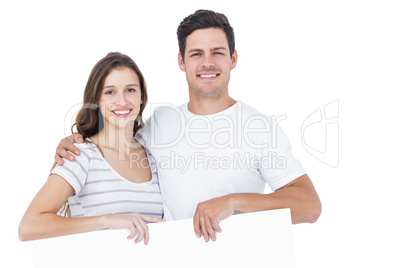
[[207, 62]]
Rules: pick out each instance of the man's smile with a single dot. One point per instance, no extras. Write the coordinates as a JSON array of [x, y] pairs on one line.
[[208, 76]]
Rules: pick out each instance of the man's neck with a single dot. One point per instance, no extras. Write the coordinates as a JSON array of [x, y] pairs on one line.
[[206, 106]]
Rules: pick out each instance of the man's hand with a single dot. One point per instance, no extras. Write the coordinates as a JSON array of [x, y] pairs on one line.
[[66, 145], [209, 213]]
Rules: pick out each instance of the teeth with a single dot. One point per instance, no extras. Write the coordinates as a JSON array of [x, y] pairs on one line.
[[122, 112], [208, 75]]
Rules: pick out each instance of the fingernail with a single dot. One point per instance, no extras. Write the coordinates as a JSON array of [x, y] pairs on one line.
[[71, 158], [60, 162], [77, 152]]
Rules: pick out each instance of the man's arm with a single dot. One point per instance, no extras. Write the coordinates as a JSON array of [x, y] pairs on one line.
[[66, 145], [298, 195]]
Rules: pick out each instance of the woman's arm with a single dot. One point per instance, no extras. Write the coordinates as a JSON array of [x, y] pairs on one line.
[[41, 219]]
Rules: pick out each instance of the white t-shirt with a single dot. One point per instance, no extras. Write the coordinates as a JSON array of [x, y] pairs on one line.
[[200, 157], [100, 190]]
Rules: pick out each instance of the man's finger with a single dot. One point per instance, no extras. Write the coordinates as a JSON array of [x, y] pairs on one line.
[[66, 145], [61, 151], [216, 227], [196, 224], [203, 228], [54, 165], [76, 137], [65, 154], [210, 230]]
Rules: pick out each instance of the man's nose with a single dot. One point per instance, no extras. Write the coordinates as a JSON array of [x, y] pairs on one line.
[[208, 62]]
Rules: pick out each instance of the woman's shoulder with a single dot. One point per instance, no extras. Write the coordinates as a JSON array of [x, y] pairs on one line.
[[88, 149], [87, 145]]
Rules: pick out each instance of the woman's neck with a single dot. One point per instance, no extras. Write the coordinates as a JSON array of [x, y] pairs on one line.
[[116, 139]]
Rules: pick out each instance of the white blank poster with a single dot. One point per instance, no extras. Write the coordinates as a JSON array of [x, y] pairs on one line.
[[258, 239]]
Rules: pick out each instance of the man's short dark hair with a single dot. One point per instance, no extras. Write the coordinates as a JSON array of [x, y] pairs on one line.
[[203, 19]]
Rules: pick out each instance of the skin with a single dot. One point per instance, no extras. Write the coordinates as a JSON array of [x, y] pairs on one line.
[[121, 92], [206, 53]]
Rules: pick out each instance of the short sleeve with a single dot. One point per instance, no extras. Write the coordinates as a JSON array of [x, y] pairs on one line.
[[277, 163], [142, 135], [75, 172], [152, 165]]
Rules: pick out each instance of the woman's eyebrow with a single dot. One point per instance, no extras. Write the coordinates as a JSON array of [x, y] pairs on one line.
[[132, 85], [128, 85]]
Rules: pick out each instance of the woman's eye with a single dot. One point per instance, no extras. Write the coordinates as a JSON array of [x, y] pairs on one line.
[[109, 92], [131, 90]]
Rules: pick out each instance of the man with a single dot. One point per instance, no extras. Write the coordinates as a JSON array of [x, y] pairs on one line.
[[216, 154]]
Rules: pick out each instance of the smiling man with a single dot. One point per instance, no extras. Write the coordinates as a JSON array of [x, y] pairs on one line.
[[207, 62], [233, 151], [230, 150]]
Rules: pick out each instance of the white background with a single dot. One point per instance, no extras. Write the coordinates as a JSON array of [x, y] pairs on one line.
[[294, 57]]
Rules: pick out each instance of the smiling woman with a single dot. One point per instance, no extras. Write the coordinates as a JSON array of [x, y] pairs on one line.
[[121, 98], [101, 82], [102, 187]]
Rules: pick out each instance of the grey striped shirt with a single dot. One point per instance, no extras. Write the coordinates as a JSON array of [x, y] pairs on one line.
[[100, 190]]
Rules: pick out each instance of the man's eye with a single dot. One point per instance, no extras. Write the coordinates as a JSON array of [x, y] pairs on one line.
[[195, 54]]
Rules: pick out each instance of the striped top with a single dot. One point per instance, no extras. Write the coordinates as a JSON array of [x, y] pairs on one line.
[[100, 190]]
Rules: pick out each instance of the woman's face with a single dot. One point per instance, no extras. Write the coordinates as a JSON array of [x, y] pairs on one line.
[[120, 99]]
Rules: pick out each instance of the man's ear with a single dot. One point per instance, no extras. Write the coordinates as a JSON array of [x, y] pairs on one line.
[[233, 60], [181, 62]]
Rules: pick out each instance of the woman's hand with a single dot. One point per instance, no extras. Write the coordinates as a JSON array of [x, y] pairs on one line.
[[135, 222]]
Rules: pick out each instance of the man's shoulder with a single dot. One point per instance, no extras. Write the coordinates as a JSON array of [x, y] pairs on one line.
[[164, 117], [167, 112], [169, 109], [248, 111]]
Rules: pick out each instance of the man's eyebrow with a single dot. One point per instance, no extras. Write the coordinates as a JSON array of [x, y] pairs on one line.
[[201, 50], [218, 48], [195, 50]]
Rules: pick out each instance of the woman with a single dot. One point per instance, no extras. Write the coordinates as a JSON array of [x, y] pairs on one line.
[[113, 183]]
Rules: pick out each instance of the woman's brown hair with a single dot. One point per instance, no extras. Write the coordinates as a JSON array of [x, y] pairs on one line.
[[89, 119]]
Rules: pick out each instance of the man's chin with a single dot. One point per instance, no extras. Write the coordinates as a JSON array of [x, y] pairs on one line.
[[207, 92]]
